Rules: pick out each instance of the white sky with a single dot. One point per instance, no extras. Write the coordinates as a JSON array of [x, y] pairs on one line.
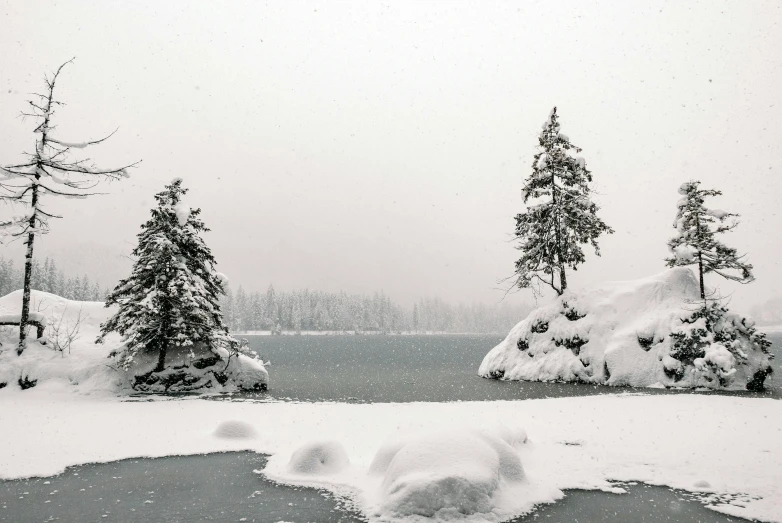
[[364, 146]]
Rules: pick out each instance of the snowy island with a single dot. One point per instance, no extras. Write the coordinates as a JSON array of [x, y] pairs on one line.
[[651, 332], [67, 354]]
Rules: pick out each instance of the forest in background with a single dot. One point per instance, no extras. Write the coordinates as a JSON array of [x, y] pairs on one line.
[[307, 310], [48, 278], [302, 310]]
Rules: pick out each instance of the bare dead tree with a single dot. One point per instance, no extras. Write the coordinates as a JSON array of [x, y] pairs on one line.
[[48, 171], [64, 332]]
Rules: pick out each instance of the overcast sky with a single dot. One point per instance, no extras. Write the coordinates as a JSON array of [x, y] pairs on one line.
[[361, 146]]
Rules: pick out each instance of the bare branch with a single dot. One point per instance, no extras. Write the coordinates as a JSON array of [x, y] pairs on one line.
[[82, 145]]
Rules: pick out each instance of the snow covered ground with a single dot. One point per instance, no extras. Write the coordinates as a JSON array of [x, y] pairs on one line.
[[623, 333], [397, 460]]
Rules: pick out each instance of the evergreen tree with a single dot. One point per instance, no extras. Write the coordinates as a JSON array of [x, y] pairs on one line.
[[96, 294], [52, 277], [240, 310], [696, 242], [171, 297], [563, 216], [271, 316]]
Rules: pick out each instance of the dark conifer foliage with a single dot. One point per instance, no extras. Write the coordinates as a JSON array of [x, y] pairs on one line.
[[696, 241], [171, 297], [560, 216]]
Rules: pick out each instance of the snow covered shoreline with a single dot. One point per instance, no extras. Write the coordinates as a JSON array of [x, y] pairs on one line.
[[573, 442], [365, 333]]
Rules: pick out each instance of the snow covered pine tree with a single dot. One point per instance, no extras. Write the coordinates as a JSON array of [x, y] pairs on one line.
[[695, 240], [47, 172], [562, 217], [169, 306], [712, 341]]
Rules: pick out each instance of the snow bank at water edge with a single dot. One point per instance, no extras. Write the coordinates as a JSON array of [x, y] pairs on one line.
[[642, 333], [67, 353], [573, 443]]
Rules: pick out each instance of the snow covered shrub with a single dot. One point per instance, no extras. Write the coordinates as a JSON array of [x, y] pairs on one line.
[[539, 327], [168, 311], [25, 382], [645, 342], [522, 344], [571, 313], [574, 344], [712, 341]]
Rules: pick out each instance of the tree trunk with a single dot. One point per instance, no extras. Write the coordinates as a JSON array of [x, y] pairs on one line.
[[161, 357], [557, 235], [700, 273], [562, 277], [700, 258], [28, 275]]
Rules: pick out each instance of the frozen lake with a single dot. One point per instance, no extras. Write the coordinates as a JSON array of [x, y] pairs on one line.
[[224, 487], [380, 368]]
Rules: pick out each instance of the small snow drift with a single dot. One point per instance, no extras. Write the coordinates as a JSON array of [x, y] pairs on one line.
[[637, 333], [457, 472], [235, 429], [320, 458]]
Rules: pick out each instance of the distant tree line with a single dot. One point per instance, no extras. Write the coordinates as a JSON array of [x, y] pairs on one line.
[[49, 278], [322, 311]]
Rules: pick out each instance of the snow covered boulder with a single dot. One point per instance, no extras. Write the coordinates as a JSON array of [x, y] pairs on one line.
[[456, 474], [638, 333], [247, 373], [199, 368]]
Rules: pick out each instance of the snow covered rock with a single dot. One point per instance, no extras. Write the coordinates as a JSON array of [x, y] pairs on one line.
[[235, 429], [319, 458], [247, 373], [459, 473], [636, 333]]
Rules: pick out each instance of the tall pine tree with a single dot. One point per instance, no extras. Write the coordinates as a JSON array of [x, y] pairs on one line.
[[171, 298], [696, 242], [560, 215]]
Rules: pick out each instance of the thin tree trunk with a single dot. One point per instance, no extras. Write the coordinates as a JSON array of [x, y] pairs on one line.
[[562, 277], [28, 274], [28, 261], [700, 273], [700, 258]]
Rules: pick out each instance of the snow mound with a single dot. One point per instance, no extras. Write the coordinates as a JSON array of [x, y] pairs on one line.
[[641, 333], [319, 458], [234, 429], [466, 473], [457, 473]]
